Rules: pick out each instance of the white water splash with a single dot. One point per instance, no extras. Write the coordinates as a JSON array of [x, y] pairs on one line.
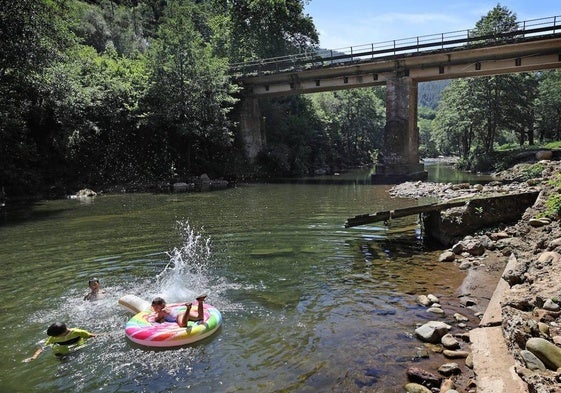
[[186, 276]]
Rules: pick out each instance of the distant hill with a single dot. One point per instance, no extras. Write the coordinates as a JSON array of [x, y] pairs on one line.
[[429, 93]]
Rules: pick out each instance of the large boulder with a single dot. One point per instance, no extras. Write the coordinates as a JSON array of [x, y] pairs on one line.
[[547, 352]]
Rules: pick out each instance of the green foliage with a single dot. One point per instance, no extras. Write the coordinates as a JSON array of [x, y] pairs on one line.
[[269, 28], [430, 93], [553, 205], [427, 145], [532, 171], [548, 104]]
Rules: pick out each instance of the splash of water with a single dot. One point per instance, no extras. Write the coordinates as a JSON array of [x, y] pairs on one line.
[[186, 276]]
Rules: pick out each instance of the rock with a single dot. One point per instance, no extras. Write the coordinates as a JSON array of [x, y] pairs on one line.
[[514, 274], [544, 155], [550, 305], [448, 369], [416, 388], [432, 331], [433, 298], [86, 193], [449, 341], [532, 361], [499, 236], [423, 377], [460, 318], [179, 187], [420, 353], [544, 328], [465, 265], [436, 310], [468, 301], [547, 352], [455, 354], [536, 222], [554, 244], [423, 300], [436, 348], [447, 256], [549, 257], [447, 385], [470, 245], [469, 361]]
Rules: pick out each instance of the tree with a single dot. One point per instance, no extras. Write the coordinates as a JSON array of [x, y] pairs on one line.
[[35, 36], [354, 120], [269, 28], [190, 94], [499, 20], [548, 106], [481, 111]]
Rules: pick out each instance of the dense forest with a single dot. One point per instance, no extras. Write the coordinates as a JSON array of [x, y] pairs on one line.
[[134, 92]]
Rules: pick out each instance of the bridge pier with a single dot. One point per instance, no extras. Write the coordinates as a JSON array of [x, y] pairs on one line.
[[399, 160], [251, 126]]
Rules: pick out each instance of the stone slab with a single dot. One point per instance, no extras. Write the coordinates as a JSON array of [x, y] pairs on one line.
[[492, 362], [493, 314]]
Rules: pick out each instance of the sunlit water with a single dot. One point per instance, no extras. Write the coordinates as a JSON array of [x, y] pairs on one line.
[[307, 305]]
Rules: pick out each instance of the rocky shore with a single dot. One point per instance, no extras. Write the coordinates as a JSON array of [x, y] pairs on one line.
[[512, 288]]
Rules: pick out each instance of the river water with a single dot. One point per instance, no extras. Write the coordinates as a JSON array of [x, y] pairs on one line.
[[307, 304]]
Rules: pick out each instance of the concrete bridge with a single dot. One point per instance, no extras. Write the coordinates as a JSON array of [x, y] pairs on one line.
[[400, 65]]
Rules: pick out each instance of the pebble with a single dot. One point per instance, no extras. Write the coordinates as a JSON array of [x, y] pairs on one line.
[[449, 342], [433, 298], [436, 310], [449, 369], [455, 354], [550, 305], [416, 388], [423, 300], [460, 318], [532, 361]]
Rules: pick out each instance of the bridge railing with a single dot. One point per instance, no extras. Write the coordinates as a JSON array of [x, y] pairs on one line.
[[316, 58]]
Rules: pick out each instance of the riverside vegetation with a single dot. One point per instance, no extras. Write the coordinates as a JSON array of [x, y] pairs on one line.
[[105, 93]]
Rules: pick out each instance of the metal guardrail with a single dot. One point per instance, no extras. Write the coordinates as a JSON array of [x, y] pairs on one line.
[[533, 28]]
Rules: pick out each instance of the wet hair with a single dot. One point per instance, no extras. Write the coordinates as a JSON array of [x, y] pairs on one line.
[[56, 329], [92, 280], [159, 301]]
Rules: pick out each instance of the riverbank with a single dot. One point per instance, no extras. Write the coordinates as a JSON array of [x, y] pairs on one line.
[[525, 294]]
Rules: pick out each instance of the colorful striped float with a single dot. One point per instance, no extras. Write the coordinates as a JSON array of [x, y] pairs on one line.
[[142, 329]]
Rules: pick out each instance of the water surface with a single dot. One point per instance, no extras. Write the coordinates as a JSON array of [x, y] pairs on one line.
[[307, 304]]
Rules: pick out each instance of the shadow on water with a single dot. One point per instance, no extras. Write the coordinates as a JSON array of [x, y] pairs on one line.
[[438, 171]]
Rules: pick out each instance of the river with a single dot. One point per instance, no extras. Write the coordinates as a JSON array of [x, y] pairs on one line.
[[307, 304]]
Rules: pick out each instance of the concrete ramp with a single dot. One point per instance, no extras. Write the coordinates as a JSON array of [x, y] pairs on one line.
[[493, 363]]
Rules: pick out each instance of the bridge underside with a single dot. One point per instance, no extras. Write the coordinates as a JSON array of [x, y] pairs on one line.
[[400, 74]]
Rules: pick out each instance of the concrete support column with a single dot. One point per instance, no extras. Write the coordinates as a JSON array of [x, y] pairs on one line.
[[400, 154], [251, 126]]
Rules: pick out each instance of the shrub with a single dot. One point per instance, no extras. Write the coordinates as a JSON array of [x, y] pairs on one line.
[[553, 205], [532, 171]]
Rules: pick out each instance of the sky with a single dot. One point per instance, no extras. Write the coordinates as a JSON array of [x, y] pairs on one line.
[[345, 23]]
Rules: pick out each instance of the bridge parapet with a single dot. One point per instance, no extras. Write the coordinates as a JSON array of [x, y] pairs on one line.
[[320, 58]]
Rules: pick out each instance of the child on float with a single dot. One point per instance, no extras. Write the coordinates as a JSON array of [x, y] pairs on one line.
[[165, 314], [61, 339]]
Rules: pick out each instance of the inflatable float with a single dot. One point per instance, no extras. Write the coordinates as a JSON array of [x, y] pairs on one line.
[[143, 330]]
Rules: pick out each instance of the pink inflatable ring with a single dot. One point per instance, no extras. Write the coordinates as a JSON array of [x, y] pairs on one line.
[[142, 329]]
